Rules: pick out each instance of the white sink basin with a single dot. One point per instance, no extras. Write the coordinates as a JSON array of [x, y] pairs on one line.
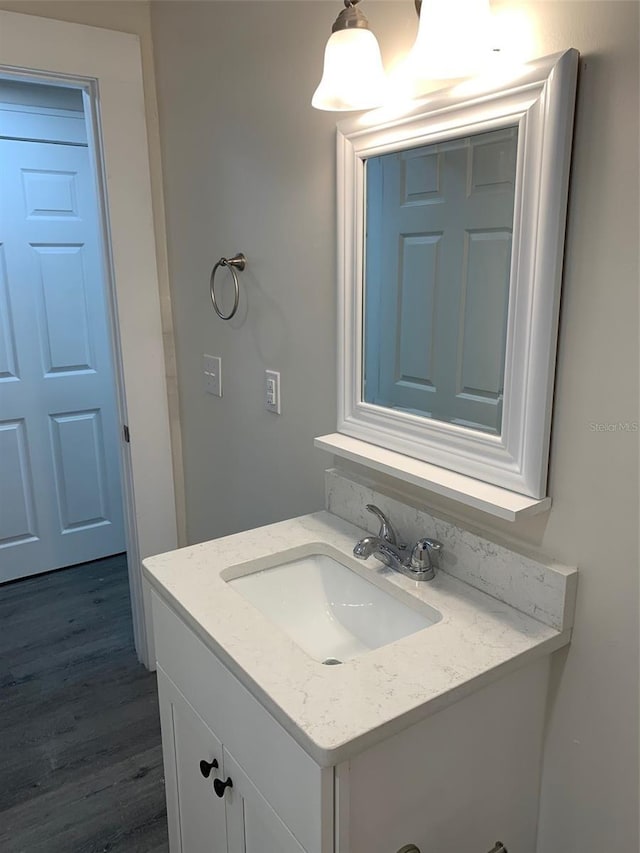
[[326, 606]]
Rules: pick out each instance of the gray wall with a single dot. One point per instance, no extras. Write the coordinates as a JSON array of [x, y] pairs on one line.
[[248, 165]]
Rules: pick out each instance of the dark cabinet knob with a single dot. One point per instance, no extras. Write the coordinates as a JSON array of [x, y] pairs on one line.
[[219, 786], [207, 766]]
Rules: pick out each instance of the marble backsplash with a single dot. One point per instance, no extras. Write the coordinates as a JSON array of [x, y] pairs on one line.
[[545, 592]]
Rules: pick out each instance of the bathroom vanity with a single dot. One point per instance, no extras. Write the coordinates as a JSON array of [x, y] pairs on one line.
[[429, 734]]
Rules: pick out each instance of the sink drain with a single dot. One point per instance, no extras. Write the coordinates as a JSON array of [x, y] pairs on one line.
[[331, 662]]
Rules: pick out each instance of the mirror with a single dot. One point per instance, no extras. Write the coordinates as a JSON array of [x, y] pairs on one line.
[[451, 216], [438, 226]]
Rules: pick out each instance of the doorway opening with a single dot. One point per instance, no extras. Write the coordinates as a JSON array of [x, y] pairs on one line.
[[105, 67], [60, 445]]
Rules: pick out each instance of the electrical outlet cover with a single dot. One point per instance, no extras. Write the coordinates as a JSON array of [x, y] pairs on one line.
[[272, 391], [212, 375]]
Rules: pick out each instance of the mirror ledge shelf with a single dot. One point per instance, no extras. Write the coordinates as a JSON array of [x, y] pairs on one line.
[[491, 499]]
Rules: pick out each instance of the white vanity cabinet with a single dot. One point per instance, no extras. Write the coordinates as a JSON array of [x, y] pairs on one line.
[[200, 820], [279, 800], [458, 780]]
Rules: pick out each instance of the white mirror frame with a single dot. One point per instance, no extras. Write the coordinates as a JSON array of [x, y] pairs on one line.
[[540, 101]]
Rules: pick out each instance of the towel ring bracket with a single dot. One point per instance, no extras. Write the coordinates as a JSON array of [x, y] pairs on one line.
[[237, 262]]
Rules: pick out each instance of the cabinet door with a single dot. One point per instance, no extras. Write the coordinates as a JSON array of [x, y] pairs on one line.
[[196, 816], [252, 825]]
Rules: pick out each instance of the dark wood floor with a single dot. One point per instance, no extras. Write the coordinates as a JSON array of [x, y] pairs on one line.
[[80, 754]]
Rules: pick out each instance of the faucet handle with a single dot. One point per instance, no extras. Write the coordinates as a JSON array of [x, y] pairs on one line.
[[425, 554], [386, 528]]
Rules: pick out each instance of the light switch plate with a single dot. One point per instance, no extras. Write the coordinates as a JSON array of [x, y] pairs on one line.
[[272, 391], [212, 374]]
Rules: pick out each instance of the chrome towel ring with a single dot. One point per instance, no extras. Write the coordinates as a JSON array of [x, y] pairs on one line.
[[236, 262]]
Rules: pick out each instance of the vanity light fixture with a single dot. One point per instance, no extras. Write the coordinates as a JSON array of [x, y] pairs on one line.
[[453, 41], [353, 77]]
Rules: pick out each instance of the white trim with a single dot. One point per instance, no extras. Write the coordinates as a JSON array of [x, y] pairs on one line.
[[541, 102], [107, 66]]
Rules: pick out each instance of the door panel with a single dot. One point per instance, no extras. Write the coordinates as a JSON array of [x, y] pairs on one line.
[[17, 521], [78, 454], [50, 194], [197, 821], [8, 361], [484, 298], [252, 825], [419, 265], [66, 336], [56, 371]]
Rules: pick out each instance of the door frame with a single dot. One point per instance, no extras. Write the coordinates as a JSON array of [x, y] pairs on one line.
[[106, 66]]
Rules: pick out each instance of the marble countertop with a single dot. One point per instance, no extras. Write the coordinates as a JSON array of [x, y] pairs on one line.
[[335, 712]]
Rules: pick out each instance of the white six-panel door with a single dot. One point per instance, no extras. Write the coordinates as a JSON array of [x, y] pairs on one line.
[[439, 225], [60, 491]]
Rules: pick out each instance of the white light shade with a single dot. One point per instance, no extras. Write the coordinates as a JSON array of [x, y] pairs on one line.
[[353, 77], [454, 39]]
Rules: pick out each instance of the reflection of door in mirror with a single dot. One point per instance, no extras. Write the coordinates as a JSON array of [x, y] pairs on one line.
[[439, 222]]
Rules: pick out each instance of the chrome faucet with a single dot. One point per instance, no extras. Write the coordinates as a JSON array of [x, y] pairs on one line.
[[419, 563]]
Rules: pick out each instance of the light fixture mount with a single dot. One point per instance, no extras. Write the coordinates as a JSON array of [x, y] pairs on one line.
[[350, 18]]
